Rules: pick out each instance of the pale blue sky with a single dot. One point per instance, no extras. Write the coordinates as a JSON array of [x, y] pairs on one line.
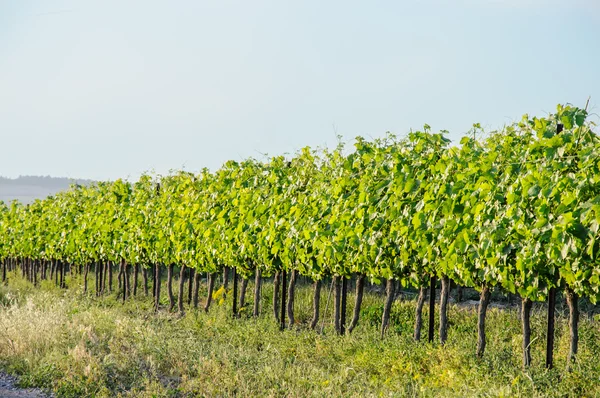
[[106, 89]]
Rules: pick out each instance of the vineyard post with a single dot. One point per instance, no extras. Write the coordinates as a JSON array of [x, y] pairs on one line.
[[157, 286], [283, 285], [97, 280], [550, 336], [431, 308], [234, 292], [343, 311], [191, 276], [551, 308]]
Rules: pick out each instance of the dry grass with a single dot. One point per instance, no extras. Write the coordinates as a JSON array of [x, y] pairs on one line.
[[78, 345]]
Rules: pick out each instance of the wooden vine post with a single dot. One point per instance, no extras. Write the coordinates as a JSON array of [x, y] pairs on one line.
[[235, 312], [551, 309], [432, 308], [550, 336], [343, 310], [283, 293]]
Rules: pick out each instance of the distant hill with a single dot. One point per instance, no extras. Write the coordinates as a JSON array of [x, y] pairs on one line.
[[28, 188]]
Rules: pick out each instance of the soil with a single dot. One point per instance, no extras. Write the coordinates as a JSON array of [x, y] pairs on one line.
[[9, 389]]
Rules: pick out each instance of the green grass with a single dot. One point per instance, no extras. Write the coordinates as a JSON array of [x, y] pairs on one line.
[[78, 345]]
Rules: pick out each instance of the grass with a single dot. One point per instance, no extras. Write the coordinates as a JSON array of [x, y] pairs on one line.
[[77, 345]]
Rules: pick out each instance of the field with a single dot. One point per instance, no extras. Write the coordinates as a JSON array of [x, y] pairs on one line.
[[79, 345]]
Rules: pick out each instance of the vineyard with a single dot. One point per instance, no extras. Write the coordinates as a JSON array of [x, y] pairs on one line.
[[515, 211]]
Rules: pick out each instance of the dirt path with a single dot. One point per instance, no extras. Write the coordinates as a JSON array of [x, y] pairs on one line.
[[8, 389]]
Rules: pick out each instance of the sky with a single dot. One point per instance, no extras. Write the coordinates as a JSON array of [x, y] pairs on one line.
[[107, 89]]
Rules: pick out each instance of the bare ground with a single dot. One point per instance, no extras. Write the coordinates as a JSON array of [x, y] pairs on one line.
[[9, 389]]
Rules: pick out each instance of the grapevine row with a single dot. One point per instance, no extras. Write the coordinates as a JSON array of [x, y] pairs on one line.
[[516, 210]]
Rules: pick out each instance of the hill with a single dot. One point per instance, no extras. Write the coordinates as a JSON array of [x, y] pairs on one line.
[[28, 188]]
